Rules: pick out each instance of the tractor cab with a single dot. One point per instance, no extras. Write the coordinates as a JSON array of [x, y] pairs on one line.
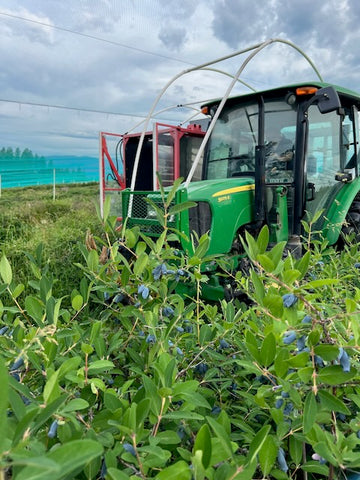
[[295, 143]]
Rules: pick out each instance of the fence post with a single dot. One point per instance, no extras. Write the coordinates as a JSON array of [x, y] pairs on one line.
[[54, 190]]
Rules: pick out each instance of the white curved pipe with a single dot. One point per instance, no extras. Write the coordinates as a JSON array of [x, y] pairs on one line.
[[258, 47]]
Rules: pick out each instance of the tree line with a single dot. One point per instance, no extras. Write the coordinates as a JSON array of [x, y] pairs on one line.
[[9, 153]]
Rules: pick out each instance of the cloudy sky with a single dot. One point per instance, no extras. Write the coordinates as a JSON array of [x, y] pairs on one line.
[[105, 61]]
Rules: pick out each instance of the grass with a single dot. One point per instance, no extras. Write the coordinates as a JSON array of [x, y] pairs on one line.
[[29, 217]]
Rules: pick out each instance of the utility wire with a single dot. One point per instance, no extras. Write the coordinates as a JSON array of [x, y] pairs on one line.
[[64, 107], [93, 37]]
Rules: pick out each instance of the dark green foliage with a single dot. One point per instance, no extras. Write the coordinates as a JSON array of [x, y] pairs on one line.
[[134, 381]]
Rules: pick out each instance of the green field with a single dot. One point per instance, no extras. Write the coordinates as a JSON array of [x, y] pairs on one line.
[[30, 217]]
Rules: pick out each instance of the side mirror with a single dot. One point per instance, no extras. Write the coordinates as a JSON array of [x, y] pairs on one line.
[[327, 99]]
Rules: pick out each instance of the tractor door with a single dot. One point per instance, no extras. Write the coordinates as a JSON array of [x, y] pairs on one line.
[[330, 150]]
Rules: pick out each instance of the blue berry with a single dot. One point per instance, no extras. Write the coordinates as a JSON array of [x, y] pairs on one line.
[[129, 448], [119, 298], [344, 360], [224, 344], [179, 351], [289, 337], [168, 311], [201, 368], [17, 364], [53, 429], [150, 339], [281, 460], [216, 410], [301, 343], [306, 319], [288, 408], [3, 330], [144, 291], [289, 299], [180, 329], [279, 403]]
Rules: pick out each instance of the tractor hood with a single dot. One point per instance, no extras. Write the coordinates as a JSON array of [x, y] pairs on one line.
[[206, 189], [223, 207]]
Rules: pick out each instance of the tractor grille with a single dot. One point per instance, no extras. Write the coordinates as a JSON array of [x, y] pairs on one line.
[[200, 218], [141, 213]]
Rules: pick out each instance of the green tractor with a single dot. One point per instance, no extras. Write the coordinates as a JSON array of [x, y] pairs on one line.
[[269, 158]]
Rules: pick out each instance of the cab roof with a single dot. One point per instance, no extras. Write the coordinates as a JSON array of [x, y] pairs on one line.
[[284, 89]]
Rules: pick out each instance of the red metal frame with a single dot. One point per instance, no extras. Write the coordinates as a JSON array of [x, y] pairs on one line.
[[176, 133]]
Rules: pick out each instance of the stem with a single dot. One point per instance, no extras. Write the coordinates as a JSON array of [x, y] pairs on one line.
[[86, 368], [156, 426], [133, 438]]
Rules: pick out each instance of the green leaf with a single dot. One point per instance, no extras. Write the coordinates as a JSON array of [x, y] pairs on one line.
[[327, 352], [100, 366], [268, 350], [5, 270], [168, 437], [310, 411], [52, 389], [93, 260], [115, 474], [4, 399], [173, 191], [329, 402], [274, 303], [38, 468], [178, 471], [203, 246], [141, 263], [220, 432], [77, 302], [47, 412], [180, 207], [263, 239], [74, 455], [276, 252], [281, 363], [334, 375], [69, 365], [203, 443], [266, 262], [303, 264], [267, 454], [258, 286], [35, 308], [18, 290], [258, 442], [315, 467], [321, 283], [75, 405]]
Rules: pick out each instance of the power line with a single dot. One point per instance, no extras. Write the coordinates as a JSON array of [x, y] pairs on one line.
[[64, 107], [93, 37]]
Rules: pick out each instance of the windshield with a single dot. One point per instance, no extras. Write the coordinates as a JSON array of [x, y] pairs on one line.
[[231, 148]]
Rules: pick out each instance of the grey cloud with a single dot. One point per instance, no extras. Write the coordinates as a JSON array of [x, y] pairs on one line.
[[173, 37]]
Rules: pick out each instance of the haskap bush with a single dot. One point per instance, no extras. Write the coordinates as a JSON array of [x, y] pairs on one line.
[[135, 380]]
